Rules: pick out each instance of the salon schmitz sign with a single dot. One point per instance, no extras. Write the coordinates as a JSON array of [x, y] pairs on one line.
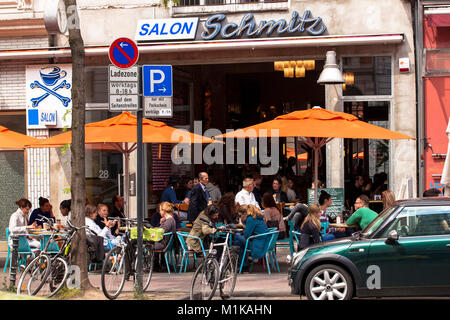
[[48, 96], [220, 26]]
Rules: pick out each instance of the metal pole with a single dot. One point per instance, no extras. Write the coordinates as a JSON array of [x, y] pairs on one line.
[[316, 168], [139, 194], [14, 258]]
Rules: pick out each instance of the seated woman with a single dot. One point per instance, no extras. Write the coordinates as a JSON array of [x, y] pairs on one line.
[[18, 223], [64, 209], [272, 215], [201, 229], [227, 209], [91, 214], [310, 229], [45, 209], [155, 220], [167, 222], [254, 225]]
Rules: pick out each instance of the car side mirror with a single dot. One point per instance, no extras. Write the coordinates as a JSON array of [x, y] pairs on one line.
[[392, 237]]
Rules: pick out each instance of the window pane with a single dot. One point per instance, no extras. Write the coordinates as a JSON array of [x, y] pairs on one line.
[[97, 85], [421, 221], [372, 76]]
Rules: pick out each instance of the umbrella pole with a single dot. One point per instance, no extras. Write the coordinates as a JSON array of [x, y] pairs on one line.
[[126, 182], [316, 168]]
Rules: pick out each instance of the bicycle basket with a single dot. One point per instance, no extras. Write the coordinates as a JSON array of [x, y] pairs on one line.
[[149, 234]]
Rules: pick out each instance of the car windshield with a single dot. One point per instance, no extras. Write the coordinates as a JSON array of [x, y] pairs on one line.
[[377, 222]]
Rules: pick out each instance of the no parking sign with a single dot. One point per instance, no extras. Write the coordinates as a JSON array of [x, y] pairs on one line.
[[123, 53]]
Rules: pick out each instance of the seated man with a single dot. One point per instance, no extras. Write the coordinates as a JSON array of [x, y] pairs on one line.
[[246, 195], [363, 215]]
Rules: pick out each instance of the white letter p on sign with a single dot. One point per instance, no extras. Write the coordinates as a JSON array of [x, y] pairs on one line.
[[153, 81]]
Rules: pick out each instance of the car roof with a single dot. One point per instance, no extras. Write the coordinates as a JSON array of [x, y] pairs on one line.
[[428, 201]]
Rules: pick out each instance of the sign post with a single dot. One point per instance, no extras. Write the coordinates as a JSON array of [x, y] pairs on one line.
[[124, 94]]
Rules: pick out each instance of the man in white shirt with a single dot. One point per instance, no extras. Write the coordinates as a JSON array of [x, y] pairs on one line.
[[246, 196]]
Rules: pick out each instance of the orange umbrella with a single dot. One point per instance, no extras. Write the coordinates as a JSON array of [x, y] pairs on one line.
[[321, 124], [122, 129], [116, 134], [10, 140]]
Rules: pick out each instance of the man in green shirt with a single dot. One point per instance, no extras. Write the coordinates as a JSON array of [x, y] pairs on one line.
[[363, 215]]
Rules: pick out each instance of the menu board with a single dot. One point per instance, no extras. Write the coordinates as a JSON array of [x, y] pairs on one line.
[[337, 196]]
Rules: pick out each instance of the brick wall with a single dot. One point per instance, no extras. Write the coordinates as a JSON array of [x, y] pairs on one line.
[[24, 43], [12, 86]]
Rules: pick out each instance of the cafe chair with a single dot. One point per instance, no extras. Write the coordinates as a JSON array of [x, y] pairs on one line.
[[272, 253], [169, 255], [296, 235], [273, 235], [287, 242], [185, 252], [324, 227], [24, 250]]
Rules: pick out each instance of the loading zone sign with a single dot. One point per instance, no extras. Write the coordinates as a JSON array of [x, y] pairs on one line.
[[123, 85]]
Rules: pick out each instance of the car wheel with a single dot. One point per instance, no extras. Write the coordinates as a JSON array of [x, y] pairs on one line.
[[329, 282]]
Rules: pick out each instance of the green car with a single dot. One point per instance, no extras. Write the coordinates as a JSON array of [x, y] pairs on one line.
[[404, 252]]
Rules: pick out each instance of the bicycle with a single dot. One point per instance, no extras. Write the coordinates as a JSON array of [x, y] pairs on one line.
[[49, 268], [211, 273], [120, 263]]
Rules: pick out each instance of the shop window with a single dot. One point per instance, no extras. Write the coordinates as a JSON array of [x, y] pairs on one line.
[[368, 157], [367, 76]]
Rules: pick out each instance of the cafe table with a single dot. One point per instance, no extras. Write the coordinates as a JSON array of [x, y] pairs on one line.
[[44, 236]]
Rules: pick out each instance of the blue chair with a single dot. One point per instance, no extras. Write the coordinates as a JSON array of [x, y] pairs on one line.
[[23, 252], [272, 252], [185, 252], [287, 242], [324, 227], [270, 234], [168, 252], [296, 235]]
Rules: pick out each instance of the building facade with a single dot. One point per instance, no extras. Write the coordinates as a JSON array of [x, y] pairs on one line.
[[225, 57]]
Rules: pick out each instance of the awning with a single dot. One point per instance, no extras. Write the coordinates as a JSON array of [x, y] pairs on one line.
[[437, 17], [380, 39]]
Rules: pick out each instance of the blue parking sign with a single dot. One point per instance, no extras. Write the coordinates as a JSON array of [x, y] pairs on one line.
[[157, 80]]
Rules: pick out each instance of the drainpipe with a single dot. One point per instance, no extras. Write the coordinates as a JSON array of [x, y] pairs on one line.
[[418, 44]]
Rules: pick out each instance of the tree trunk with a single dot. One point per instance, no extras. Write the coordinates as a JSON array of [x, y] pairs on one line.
[[79, 255]]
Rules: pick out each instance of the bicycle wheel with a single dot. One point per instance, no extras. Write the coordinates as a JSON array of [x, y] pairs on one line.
[[147, 266], [33, 277], [204, 282], [59, 272], [228, 278], [114, 272]]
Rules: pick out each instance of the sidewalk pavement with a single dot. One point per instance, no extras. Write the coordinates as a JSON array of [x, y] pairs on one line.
[[258, 283]]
